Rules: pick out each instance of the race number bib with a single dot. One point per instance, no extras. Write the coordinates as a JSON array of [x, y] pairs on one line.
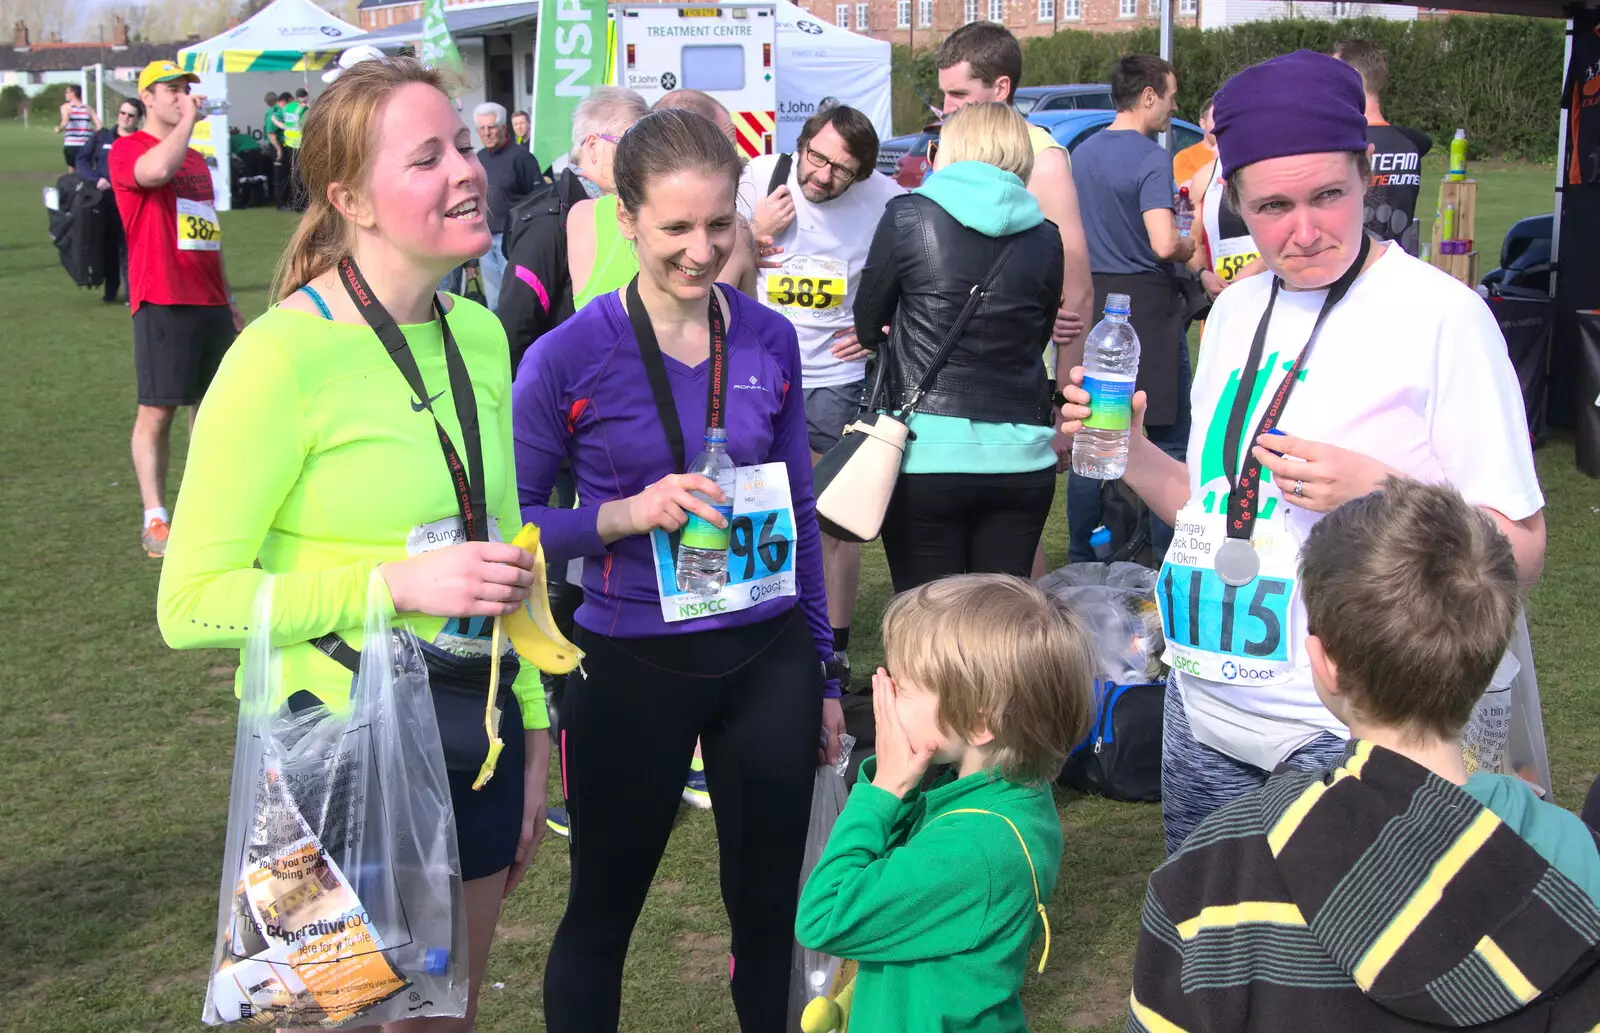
[[760, 549], [807, 284], [1219, 632], [198, 226], [1230, 256], [463, 636]]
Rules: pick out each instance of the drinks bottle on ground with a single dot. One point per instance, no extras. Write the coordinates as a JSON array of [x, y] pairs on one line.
[[1110, 367], [703, 546], [1183, 211]]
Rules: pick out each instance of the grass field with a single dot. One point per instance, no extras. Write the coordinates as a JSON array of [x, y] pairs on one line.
[[114, 775]]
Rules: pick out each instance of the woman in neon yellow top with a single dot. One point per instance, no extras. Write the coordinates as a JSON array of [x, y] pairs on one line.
[[313, 456]]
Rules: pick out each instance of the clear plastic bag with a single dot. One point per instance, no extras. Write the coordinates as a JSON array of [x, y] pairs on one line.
[[341, 900], [812, 973], [1117, 602]]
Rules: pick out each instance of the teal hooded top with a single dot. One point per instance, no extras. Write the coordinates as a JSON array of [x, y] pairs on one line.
[[994, 202]]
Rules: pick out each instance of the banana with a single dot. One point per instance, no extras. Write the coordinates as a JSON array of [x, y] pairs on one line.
[[532, 628]]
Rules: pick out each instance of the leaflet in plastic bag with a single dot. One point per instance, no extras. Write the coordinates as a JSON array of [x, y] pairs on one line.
[[341, 900]]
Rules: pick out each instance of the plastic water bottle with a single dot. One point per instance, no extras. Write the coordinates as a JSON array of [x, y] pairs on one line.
[[1110, 367], [1100, 542], [1458, 157], [1183, 209], [703, 546]]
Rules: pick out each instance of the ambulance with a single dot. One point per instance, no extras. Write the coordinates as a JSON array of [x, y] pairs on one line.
[[729, 52]]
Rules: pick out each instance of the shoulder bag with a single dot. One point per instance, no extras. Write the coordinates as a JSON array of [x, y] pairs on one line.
[[856, 478]]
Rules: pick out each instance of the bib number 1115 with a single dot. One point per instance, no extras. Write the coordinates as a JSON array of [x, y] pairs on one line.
[[1203, 612]]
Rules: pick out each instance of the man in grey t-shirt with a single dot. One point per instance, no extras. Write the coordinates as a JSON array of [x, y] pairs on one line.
[[1125, 191]]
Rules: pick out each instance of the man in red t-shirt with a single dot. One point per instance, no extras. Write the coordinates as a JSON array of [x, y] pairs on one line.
[[184, 318]]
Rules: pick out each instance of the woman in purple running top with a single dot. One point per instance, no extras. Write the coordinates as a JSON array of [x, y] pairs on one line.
[[624, 391]]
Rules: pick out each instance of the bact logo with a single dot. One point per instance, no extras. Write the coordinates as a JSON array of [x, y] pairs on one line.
[[1233, 672]]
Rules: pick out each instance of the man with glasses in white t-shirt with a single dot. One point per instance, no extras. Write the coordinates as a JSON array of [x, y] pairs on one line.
[[821, 205]]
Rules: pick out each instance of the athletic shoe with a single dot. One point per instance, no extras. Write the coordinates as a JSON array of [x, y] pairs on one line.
[[695, 793], [155, 538], [555, 818]]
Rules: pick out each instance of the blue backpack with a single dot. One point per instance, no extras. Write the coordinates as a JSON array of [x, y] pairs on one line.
[[1120, 758]]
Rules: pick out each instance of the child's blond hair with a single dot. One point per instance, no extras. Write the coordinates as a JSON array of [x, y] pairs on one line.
[[1001, 655]]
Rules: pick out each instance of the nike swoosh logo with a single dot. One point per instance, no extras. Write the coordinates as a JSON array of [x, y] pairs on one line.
[[417, 406]]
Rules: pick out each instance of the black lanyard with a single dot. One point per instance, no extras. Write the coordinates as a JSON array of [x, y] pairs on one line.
[[466, 479], [1243, 493], [655, 370]]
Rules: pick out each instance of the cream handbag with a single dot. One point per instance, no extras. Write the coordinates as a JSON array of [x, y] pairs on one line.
[[856, 479]]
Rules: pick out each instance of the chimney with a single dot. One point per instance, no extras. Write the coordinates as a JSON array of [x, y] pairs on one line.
[[19, 35], [119, 33]]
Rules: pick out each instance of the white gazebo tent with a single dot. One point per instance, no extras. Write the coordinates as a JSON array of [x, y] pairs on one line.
[[818, 61], [275, 50]]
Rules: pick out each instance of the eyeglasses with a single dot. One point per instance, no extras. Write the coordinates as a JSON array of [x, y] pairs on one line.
[[127, 114], [843, 173], [608, 138]]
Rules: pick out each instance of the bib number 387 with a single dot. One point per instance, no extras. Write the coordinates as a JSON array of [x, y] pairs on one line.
[[761, 550], [198, 226], [1220, 632]]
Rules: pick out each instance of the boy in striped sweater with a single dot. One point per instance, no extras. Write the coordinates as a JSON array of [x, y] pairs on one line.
[[1395, 891]]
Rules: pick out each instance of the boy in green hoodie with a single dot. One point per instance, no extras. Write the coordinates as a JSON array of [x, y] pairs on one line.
[[939, 892]]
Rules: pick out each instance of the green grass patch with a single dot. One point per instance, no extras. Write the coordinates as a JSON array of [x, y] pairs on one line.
[[118, 750]]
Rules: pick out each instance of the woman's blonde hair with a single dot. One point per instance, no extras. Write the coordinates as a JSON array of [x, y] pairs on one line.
[[990, 132], [337, 144], [1000, 655]]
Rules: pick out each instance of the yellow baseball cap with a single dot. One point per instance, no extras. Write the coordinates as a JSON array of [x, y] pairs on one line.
[[163, 71]]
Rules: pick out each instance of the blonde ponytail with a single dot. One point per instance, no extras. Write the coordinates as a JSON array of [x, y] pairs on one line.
[[337, 146]]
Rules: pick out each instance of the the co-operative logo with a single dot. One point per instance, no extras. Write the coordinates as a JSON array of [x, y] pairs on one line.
[[809, 27]]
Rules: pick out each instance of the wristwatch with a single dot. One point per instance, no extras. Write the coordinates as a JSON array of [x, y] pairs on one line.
[[837, 668]]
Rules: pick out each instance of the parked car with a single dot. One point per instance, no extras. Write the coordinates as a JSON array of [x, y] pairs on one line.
[[1029, 99], [1070, 128], [1080, 96], [1525, 256]]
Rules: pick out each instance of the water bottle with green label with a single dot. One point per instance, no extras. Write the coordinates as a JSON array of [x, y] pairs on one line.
[[703, 546], [1110, 367]]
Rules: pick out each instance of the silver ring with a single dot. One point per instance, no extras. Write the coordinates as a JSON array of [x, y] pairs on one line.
[[1299, 489]]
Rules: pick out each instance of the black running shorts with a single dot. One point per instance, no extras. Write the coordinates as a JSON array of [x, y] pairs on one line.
[[177, 349]]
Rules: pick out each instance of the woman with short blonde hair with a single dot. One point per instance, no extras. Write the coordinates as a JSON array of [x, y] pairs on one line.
[[990, 132]]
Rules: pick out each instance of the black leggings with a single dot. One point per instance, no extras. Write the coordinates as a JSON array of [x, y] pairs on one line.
[[753, 696], [956, 523]]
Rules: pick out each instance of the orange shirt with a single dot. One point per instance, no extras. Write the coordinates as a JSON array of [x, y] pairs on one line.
[[1189, 161]]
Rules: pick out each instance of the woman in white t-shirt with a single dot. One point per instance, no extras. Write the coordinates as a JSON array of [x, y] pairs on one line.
[[1351, 362]]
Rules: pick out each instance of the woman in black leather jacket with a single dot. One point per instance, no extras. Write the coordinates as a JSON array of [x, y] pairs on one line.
[[979, 475]]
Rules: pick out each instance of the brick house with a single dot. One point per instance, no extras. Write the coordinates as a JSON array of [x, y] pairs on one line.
[[923, 23], [35, 65]]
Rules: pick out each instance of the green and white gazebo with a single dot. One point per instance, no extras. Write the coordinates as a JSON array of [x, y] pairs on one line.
[[285, 36]]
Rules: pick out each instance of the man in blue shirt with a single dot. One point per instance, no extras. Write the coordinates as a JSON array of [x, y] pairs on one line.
[[1125, 194]]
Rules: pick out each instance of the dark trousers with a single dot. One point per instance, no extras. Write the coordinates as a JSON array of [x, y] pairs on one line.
[[116, 248], [753, 696], [1083, 493], [955, 523], [288, 191]]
